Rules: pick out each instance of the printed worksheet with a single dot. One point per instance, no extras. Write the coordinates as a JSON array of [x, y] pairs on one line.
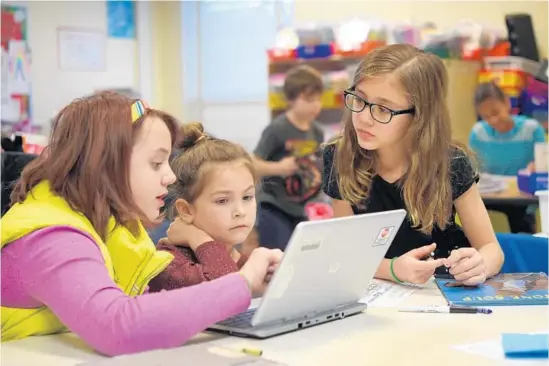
[[387, 294]]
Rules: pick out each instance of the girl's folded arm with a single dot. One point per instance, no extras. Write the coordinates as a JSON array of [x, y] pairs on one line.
[[214, 261], [65, 271]]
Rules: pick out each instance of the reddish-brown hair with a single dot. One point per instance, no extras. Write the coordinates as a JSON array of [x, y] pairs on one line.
[[88, 158]]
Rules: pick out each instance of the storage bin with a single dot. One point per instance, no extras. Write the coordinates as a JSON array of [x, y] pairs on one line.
[[532, 182], [512, 63], [277, 101], [329, 99], [275, 55], [364, 48], [504, 78], [534, 101], [315, 51]]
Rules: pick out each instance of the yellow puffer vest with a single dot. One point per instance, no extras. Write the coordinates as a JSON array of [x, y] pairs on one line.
[[131, 261]]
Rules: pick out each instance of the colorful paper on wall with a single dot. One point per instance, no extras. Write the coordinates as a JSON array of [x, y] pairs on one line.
[[14, 24], [121, 18], [16, 63], [18, 68]]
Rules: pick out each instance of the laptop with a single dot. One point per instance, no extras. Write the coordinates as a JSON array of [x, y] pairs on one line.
[[326, 269]]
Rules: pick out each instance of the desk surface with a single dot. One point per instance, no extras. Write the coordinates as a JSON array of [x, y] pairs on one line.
[[511, 195], [380, 336]]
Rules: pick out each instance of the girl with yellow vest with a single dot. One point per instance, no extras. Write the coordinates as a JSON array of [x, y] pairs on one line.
[[75, 255]]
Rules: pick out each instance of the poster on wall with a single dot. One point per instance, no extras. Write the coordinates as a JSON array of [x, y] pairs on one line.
[[121, 18], [16, 64], [81, 49], [18, 68]]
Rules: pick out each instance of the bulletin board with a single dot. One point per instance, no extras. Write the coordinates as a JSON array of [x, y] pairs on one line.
[[16, 64], [81, 49]]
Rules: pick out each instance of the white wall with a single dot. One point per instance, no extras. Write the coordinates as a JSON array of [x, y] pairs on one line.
[[53, 88], [238, 122]]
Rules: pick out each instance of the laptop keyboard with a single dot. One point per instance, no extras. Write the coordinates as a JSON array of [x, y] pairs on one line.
[[242, 320]]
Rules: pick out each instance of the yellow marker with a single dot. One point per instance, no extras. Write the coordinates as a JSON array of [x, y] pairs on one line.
[[252, 351]]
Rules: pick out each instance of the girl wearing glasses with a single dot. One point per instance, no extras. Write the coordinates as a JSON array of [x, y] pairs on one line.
[[395, 151]]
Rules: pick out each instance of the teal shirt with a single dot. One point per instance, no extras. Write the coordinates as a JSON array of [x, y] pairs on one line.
[[506, 153]]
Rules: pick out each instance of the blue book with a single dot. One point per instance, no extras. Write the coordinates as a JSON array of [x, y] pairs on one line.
[[504, 289]]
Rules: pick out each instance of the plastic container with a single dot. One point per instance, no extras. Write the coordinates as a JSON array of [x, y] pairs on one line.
[[279, 55], [501, 49], [534, 101], [329, 99], [277, 101], [543, 197], [532, 182], [365, 48], [315, 51], [512, 63], [515, 79]]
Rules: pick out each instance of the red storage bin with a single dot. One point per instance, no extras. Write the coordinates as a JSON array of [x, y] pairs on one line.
[[281, 55], [365, 47]]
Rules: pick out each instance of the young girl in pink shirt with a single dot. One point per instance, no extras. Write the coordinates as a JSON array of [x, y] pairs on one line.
[[75, 255]]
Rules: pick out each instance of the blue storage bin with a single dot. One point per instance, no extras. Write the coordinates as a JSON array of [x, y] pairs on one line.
[[532, 182], [315, 51]]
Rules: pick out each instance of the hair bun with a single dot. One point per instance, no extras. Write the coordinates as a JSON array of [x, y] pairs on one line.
[[190, 134]]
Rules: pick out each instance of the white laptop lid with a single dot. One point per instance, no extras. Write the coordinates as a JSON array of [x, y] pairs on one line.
[[327, 264]]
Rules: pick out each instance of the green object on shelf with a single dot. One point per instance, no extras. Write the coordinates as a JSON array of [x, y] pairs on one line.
[[441, 52]]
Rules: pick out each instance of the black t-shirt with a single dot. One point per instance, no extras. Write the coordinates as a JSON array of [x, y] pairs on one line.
[[386, 196], [279, 140]]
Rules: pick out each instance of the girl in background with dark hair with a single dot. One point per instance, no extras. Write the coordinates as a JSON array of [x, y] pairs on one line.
[[504, 144]]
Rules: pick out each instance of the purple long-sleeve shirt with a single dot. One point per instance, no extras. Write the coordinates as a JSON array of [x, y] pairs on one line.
[[63, 269]]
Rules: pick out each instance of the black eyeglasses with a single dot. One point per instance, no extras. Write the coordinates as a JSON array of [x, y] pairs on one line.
[[380, 113]]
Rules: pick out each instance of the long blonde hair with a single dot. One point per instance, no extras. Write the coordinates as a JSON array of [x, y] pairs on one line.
[[426, 186]]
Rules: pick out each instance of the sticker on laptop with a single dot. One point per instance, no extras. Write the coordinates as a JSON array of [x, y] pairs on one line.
[[384, 236]]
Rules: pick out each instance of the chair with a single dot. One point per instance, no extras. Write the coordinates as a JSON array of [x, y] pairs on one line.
[[524, 253], [12, 166], [159, 232]]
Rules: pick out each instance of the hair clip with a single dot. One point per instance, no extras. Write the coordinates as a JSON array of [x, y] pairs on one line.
[[200, 139], [138, 109]]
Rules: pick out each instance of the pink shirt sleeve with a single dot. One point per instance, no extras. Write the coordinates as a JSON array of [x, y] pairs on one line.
[[63, 269]]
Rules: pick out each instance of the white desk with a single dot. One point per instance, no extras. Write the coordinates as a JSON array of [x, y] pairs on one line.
[[378, 337]]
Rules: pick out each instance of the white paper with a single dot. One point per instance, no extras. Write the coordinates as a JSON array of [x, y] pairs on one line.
[[386, 294], [11, 110], [541, 150], [82, 50], [5, 93], [493, 349], [489, 183]]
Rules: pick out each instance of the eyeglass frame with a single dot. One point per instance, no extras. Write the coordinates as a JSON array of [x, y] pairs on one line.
[[350, 91]]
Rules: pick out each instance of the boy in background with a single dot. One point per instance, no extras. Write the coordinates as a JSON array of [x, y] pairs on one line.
[[286, 158]]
